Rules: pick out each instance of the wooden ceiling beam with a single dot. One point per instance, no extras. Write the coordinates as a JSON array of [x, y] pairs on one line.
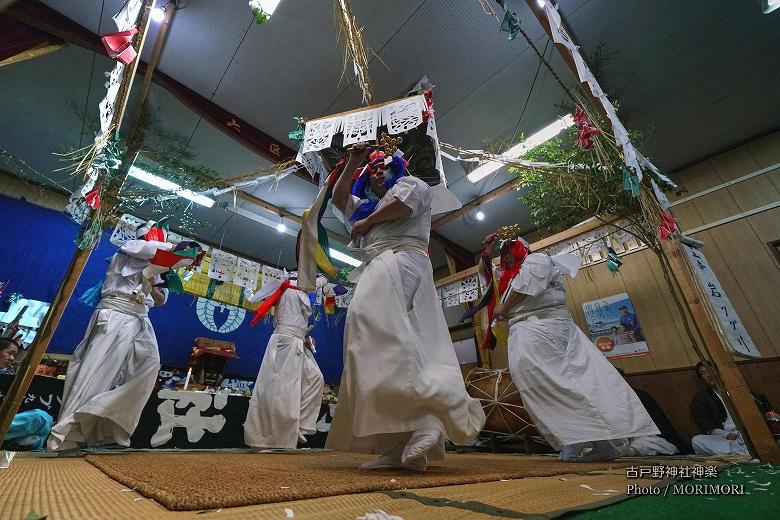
[[484, 199]]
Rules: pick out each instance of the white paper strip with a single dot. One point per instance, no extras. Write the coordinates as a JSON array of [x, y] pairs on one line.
[[222, 266], [737, 337], [246, 273]]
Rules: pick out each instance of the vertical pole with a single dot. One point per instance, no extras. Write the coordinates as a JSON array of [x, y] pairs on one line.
[[737, 395], [21, 382]]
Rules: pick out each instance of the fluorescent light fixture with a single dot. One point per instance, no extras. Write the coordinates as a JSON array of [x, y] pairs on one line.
[[158, 14], [480, 215], [518, 150], [154, 180], [341, 257], [767, 6], [281, 228]]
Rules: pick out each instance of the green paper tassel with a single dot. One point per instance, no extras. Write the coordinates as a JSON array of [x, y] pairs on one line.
[[211, 289], [174, 283], [613, 262], [510, 25]]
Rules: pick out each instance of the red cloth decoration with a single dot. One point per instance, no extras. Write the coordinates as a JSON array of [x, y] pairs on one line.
[[587, 131], [93, 198], [426, 115], [119, 45], [667, 226], [330, 305], [517, 249], [166, 258], [269, 302], [156, 234]]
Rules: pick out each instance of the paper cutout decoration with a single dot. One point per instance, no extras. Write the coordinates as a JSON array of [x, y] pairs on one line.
[[469, 289], [270, 274], [119, 45], [246, 273], [222, 266]]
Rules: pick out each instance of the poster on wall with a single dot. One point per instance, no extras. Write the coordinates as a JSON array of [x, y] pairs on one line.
[[614, 327]]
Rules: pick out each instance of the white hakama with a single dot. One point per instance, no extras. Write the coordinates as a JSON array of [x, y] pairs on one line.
[[288, 392], [401, 374], [716, 443], [115, 366], [570, 389]]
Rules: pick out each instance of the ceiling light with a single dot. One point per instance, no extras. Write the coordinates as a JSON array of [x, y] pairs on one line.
[[341, 257], [767, 6], [281, 228], [158, 14], [540, 3], [480, 215], [154, 180], [518, 150]]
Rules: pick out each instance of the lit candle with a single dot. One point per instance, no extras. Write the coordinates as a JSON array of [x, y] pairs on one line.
[[187, 381]]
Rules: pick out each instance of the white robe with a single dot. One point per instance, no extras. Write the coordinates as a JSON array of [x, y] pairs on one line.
[[288, 392], [716, 442], [115, 366], [569, 388], [401, 373]]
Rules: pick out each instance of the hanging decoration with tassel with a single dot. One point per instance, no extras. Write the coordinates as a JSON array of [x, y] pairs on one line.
[[353, 38]]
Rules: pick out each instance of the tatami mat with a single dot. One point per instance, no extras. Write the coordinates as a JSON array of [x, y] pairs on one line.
[[74, 489]]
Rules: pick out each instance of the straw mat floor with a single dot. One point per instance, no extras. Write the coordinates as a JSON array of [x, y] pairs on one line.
[[192, 481], [71, 488]]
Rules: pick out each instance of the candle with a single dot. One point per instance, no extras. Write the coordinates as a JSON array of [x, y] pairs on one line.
[[187, 381]]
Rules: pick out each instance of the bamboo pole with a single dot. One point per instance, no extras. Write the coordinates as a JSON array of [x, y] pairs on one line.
[[737, 395], [22, 381]]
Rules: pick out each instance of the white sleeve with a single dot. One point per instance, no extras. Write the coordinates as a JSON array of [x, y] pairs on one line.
[[353, 203], [535, 275], [414, 193], [144, 250]]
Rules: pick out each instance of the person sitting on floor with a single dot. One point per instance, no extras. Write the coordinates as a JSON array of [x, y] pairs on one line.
[[721, 436], [668, 443], [28, 430]]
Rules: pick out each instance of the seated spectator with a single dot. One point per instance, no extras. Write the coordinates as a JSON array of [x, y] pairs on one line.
[[710, 414], [668, 443], [28, 430], [9, 349]]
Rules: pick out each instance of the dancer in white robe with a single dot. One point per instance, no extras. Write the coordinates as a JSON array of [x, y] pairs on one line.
[[115, 366], [575, 396], [401, 390], [287, 395]]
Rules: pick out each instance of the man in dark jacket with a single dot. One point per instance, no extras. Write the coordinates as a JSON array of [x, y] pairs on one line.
[[721, 436]]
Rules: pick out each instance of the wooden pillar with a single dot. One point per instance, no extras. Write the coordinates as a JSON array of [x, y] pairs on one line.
[[737, 395], [22, 381]]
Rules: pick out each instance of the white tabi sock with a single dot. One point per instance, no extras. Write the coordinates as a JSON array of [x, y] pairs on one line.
[[421, 442], [602, 451], [572, 450]]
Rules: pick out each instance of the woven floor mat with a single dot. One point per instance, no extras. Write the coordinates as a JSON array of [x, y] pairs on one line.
[[74, 489]]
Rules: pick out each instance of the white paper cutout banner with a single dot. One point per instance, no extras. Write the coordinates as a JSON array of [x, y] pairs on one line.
[[246, 273], [738, 338], [222, 266]]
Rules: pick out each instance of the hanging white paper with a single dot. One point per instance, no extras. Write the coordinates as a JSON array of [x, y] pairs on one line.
[[270, 274], [246, 273], [737, 337], [222, 266]]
